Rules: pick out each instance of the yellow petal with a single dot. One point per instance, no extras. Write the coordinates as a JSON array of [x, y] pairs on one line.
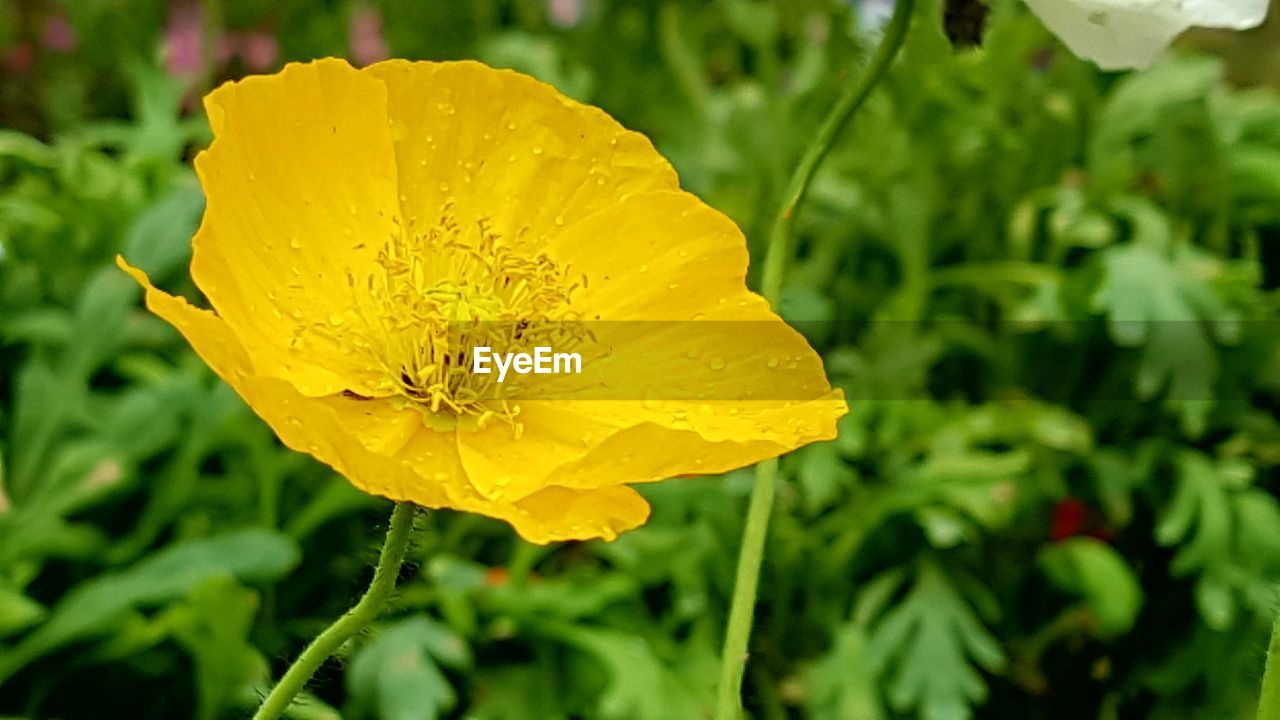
[[663, 255], [709, 438], [319, 427], [548, 514], [506, 147], [686, 371], [558, 513], [301, 189], [594, 444], [369, 443]]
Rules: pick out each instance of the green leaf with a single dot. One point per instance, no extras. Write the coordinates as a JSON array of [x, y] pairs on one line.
[[823, 476], [640, 685], [396, 676], [842, 684], [1093, 570], [159, 240], [213, 624], [927, 646], [92, 608], [18, 612]]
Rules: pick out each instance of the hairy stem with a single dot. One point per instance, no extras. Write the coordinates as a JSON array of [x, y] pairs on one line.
[[352, 622], [777, 254]]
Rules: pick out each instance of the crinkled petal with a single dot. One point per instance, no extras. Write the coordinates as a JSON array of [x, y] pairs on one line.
[[301, 188]]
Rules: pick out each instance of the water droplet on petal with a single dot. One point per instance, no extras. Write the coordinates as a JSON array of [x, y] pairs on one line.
[[717, 364], [773, 362]]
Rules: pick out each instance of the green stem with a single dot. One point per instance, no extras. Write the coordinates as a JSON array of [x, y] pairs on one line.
[[355, 619], [733, 661], [1269, 702], [777, 253]]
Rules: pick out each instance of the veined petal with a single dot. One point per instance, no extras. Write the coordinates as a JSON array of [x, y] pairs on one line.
[[507, 149], [301, 188]]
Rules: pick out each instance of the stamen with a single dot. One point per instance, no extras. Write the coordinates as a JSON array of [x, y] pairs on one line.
[[437, 295]]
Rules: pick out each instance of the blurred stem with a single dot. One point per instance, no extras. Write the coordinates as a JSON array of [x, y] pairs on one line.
[[1269, 701], [777, 253], [355, 619]]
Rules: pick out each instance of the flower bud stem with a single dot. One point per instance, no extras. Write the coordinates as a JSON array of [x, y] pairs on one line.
[[353, 621], [777, 254]]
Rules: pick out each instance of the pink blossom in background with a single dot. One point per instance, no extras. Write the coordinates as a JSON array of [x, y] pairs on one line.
[[59, 36], [565, 13], [184, 39], [257, 49], [365, 37]]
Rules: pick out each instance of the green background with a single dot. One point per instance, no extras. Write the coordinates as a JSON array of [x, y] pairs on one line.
[[1049, 292]]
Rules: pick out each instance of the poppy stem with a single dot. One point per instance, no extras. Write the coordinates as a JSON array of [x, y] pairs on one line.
[[777, 254], [353, 621], [1269, 701]]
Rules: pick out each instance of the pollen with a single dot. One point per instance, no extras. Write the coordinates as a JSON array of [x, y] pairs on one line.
[[434, 296]]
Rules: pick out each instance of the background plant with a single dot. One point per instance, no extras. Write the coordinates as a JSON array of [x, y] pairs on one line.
[[1050, 293]]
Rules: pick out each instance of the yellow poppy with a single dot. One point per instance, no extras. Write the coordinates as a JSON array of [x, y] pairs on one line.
[[367, 229]]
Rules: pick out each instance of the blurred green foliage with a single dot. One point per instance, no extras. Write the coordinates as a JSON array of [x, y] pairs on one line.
[[1049, 292]]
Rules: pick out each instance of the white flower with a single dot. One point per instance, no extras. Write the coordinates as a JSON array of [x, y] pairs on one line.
[[1120, 34]]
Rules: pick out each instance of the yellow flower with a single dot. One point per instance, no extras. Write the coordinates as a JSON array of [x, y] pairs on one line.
[[367, 229]]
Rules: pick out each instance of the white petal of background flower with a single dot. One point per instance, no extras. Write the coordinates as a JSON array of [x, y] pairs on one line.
[[1123, 34], [1231, 14]]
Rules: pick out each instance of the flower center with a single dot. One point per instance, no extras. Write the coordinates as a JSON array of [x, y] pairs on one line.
[[436, 296]]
